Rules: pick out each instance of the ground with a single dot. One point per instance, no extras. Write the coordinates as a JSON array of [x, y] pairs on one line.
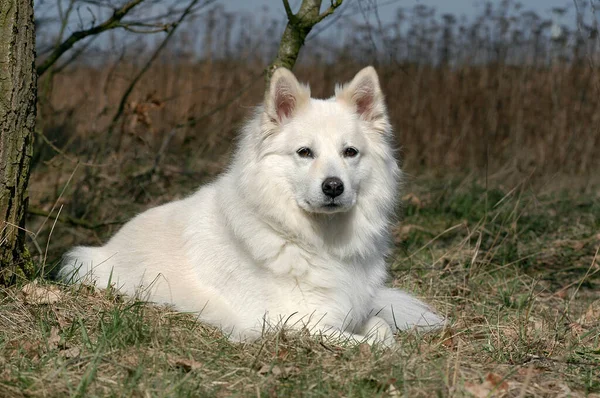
[[514, 268]]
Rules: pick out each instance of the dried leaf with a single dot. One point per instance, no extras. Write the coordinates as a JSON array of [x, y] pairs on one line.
[[530, 369], [402, 233], [477, 390], [449, 338], [388, 383], [187, 365], [72, 352], [364, 351], [64, 317], [493, 385], [570, 243], [30, 348], [274, 370], [562, 293], [412, 199], [54, 338], [282, 353], [288, 370], [278, 371], [576, 329], [511, 333], [264, 369], [536, 323], [497, 381], [592, 315], [393, 391], [33, 293]]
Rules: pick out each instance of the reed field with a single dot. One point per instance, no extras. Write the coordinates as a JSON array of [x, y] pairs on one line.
[[497, 123]]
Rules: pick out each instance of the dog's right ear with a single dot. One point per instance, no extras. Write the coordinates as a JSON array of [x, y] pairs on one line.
[[285, 96]]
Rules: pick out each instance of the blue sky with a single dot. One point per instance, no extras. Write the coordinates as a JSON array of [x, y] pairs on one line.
[[275, 10], [388, 7]]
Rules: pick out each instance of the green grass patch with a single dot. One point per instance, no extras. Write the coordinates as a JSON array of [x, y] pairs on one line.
[[515, 272]]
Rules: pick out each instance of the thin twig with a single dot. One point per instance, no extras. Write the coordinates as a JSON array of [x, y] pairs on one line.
[[145, 68], [334, 4], [57, 200], [113, 22], [48, 241], [192, 122], [76, 54], [288, 10], [63, 153], [78, 222]]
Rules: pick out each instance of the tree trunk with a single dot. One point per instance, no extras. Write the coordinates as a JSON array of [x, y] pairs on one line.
[[18, 90], [298, 27]]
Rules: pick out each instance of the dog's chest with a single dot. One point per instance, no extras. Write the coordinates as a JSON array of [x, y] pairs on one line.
[[339, 295]]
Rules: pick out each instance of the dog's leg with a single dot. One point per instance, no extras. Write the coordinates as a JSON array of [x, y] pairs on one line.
[[403, 311], [275, 253], [290, 260], [376, 331]]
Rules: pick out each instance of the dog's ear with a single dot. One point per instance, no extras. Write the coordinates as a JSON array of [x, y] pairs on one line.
[[364, 94], [285, 95]]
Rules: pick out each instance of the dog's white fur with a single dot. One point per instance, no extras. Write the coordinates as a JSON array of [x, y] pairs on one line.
[[263, 245]]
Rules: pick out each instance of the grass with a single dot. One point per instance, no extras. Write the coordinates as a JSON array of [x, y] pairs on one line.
[[514, 269], [514, 265]]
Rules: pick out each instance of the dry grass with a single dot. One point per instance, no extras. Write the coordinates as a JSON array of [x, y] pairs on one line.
[[510, 123], [508, 252], [517, 274], [494, 91], [493, 97], [455, 118]]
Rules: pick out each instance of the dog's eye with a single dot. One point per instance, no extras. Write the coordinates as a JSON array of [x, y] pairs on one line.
[[305, 152], [350, 152]]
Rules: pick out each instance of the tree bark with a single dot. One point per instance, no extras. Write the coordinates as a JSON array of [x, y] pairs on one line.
[[18, 90], [298, 27]]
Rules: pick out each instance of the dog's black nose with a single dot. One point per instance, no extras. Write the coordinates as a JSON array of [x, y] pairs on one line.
[[332, 187]]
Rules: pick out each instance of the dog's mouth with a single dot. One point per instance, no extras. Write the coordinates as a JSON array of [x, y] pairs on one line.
[[329, 207]]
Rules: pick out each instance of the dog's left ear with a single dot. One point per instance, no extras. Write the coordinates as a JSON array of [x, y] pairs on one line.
[[364, 94]]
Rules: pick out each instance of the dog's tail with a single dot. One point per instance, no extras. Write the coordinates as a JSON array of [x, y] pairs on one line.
[[79, 263]]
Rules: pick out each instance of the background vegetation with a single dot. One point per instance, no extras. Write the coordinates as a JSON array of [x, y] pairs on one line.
[[498, 127]]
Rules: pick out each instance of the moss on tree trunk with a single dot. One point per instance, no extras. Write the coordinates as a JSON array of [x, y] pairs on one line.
[[18, 81]]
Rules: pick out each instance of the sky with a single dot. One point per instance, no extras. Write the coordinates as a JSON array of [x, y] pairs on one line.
[[386, 10], [388, 7]]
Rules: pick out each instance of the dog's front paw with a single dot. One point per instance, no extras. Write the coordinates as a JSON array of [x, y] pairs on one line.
[[290, 260], [404, 312], [377, 331]]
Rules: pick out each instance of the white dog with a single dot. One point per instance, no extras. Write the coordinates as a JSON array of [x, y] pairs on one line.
[[293, 234]]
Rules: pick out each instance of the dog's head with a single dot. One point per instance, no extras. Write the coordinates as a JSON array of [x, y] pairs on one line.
[[324, 153]]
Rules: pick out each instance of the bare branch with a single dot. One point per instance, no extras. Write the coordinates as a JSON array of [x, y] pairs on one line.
[[135, 80], [111, 23], [288, 10], [334, 4], [194, 121], [63, 153], [76, 54], [78, 222], [298, 27], [148, 29]]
